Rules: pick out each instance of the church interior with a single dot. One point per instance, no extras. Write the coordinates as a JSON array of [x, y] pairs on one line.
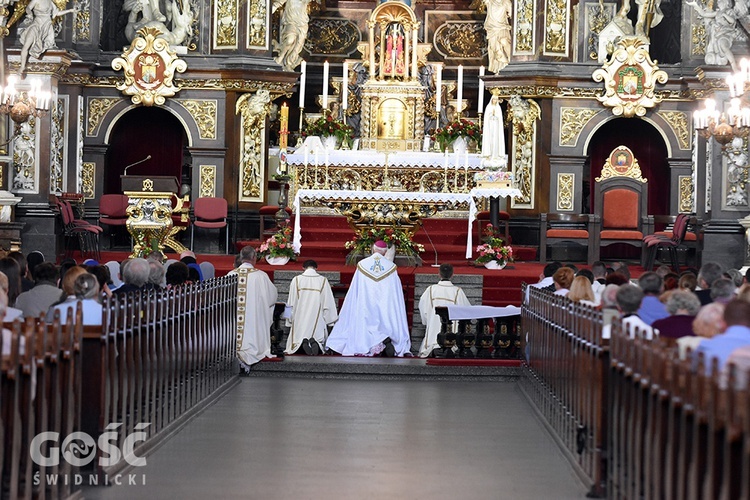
[[567, 131]]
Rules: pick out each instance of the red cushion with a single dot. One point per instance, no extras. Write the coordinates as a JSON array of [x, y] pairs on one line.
[[567, 233], [210, 225], [662, 243], [272, 209], [113, 222], [669, 234], [620, 209], [621, 235]]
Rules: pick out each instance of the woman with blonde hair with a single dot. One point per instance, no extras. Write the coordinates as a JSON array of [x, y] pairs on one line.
[[85, 291], [581, 291], [68, 297]]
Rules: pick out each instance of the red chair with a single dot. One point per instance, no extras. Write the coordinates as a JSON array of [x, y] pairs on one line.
[[87, 234], [210, 213], [113, 212], [622, 206], [653, 242]]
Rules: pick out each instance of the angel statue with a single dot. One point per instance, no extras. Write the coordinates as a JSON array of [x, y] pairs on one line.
[[144, 15], [292, 32], [722, 30]]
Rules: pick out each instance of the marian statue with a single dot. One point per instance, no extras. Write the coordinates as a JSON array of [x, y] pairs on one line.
[[493, 133]]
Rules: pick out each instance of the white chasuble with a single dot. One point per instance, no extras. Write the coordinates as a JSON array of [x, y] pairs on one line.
[[313, 307], [373, 310], [256, 298], [444, 293]]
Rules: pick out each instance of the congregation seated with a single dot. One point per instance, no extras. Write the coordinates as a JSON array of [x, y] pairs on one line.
[[652, 308], [23, 268], [581, 291], [562, 279], [10, 268], [708, 323], [134, 274], [11, 313], [177, 274], [629, 298], [723, 291], [709, 272], [45, 292], [682, 307], [735, 336]]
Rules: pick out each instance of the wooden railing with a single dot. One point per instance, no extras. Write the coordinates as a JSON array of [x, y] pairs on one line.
[[158, 359], [159, 356], [564, 375], [635, 421], [676, 432], [39, 392]]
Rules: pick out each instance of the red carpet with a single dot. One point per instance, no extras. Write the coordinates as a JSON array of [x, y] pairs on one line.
[[513, 363]]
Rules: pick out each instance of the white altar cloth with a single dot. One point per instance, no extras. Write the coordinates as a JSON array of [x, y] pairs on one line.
[[481, 312]]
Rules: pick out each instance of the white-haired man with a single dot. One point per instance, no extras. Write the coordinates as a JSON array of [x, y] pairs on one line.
[[373, 318], [256, 298]]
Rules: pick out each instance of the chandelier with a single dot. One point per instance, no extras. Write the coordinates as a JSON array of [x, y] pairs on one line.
[[734, 124], [22, 104]]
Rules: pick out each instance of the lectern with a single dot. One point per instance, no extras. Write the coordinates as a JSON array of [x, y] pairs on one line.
[[150, 200]]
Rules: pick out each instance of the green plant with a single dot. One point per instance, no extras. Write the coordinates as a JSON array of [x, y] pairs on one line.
[[327, 126], [362, 243], [279, 245], [493, 248], [458, 128]]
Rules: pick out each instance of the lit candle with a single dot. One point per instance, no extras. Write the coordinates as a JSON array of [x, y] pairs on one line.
[[325, 86], [302, 81], [438, 88], [284, 125], [460, 91], [345, 87], [480, 98]]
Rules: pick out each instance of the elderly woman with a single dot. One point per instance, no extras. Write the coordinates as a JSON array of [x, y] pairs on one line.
[[708, 322], [682, 306], [562, 279]]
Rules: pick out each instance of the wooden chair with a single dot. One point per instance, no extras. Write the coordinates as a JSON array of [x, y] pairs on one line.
[[566, 228], [622, 206]]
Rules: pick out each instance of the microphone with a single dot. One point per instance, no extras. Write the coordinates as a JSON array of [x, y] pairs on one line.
[[125, 172], [432, 245]]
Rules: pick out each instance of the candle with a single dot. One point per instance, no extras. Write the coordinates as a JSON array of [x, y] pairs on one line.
[[345, 87], [283, 126], [480, 99], [302, 81], [325, 86], [438, 88], [460, 91]]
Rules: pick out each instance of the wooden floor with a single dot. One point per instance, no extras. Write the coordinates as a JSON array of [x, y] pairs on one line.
[[297, 438]]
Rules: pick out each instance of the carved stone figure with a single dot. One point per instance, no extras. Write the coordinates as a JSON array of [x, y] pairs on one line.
[[497, 26], [721, 28], [646, 9], [142, 15], [292, 33], [427, 79], [39, 34]]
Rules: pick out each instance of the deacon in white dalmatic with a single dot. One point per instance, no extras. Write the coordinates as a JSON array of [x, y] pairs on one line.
[[256, 298], [373, 317], [444, 293], [313, 308]]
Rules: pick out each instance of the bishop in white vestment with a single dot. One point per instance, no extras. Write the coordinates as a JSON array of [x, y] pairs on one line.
[[444, 293], [256, 298], [313, 308], [373, 310]]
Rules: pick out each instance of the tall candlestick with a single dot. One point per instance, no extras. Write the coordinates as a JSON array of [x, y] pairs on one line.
[[438, 89], [480, 99], [325, 86], [460, 91], [302, 81], [345, 87]]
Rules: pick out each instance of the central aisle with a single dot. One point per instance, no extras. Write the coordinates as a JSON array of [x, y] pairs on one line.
[[291, 438]]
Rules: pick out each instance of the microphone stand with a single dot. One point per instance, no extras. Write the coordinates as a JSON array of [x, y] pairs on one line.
[[432, 245]]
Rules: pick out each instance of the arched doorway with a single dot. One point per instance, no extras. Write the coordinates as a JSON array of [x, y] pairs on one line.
[[141, 132], [648, 147]]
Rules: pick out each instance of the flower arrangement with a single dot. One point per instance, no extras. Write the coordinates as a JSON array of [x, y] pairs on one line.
[[362, 243], [455, 129], [327, 126], [493, 248], [279, 245]]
